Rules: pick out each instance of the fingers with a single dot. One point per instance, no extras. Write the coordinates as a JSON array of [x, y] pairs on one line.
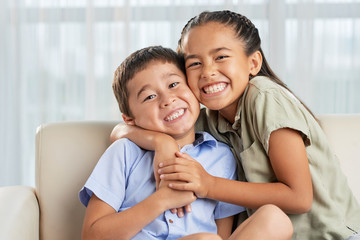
[[183, 155], [181, 177], [188, 208], [182, 186], [180, 212], [181, 159]]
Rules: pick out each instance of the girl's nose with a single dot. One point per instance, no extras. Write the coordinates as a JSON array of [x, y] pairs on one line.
[[208, 71]]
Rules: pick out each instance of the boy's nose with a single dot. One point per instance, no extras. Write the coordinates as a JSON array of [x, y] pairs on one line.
[[168, 101]]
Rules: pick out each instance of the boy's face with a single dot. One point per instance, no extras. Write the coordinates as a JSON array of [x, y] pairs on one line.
[[160, 100]]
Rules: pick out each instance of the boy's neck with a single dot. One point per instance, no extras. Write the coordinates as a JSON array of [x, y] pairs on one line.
[[186, 139]]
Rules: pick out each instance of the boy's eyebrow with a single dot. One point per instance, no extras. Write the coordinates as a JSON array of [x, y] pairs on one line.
[[146, 86], [212, 51], [142, 90]]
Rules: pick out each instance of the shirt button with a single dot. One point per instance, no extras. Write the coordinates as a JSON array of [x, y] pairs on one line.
[[171, 221]]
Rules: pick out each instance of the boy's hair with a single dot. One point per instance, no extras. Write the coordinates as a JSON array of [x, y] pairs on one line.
[[137, 62]]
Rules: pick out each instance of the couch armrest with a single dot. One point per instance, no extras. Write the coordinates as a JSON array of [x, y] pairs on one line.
[[19, 213]]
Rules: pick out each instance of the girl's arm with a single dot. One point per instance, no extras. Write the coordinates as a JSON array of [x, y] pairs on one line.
[[292, 192], [103, 222], [163, 145]]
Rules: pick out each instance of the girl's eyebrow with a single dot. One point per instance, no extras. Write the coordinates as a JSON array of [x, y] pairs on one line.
[[212, 51]]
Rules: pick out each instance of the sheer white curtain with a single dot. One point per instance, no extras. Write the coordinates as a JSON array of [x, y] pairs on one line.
[[57, 58]]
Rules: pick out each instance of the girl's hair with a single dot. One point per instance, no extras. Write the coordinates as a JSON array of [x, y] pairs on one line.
[[244, 29]]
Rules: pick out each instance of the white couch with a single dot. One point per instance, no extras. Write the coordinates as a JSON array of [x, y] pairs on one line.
[[66, 154]]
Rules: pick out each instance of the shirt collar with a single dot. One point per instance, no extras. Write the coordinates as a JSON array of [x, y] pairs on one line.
[[204, 138]]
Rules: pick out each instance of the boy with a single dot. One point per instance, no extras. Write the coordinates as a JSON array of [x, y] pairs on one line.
[[120, 195]]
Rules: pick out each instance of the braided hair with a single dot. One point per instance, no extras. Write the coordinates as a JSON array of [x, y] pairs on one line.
[[244, 30]]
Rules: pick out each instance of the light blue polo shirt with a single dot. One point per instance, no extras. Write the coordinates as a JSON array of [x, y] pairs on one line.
[[124, 177]]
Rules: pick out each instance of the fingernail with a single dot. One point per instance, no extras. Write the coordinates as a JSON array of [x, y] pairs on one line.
[[181, 214], [161, 164], [159, 171]]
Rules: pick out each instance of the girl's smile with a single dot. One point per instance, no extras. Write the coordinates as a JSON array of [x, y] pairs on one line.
[[217, 67], [214, 88]]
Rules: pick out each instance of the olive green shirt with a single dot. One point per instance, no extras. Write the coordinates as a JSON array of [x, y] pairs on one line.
[[263, 108]]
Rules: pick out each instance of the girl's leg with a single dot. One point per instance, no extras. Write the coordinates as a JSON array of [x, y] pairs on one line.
[[201, 236], [268, 222]]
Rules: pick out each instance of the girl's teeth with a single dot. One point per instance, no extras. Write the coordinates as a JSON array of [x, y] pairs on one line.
[[215, 88], [175, 115]]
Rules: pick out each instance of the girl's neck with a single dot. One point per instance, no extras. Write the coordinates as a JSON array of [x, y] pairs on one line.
[[229, 112]]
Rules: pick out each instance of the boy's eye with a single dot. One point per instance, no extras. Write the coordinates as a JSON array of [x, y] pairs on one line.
[[149, 97], [193, 64], [173, 84]]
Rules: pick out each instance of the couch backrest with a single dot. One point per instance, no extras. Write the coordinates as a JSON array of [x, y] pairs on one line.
[[343, 133], [66, 153]]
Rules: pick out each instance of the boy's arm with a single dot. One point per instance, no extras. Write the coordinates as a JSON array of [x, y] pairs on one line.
[[224, 227], [102, 220]]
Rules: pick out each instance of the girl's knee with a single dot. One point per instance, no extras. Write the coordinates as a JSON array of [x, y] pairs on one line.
[[276, 221]]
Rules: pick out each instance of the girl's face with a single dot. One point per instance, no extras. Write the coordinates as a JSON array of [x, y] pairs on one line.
[[217, 67]]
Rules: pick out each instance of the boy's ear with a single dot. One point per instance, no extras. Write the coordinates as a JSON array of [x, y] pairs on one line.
[[128, 120], [255, 63]]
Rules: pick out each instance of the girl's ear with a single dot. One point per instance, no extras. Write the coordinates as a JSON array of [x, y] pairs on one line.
[[255, 63], [128, 120]]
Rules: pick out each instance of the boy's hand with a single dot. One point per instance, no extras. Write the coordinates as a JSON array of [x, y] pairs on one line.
[[188, 174], [174, 199]]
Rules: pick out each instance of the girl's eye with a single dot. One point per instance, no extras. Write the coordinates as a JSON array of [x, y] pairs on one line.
[[221, 57], [149, 97], [173, 84]]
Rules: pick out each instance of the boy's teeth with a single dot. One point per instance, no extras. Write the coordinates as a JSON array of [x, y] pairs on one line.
[[175, 115], [215, 88]]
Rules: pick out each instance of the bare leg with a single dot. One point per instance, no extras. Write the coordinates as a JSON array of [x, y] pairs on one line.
[[201, 236], [268, 222]]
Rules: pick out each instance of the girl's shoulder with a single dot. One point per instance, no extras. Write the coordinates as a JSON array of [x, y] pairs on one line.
[[263, 84], [268, 89]]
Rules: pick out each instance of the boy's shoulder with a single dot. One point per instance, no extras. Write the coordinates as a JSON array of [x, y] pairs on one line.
[[127, 149]]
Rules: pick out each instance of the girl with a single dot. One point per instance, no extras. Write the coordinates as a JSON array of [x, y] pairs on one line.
[[283, 154]]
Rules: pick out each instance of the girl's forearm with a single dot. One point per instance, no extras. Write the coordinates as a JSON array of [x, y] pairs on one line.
[[149, 140], [255, 195]]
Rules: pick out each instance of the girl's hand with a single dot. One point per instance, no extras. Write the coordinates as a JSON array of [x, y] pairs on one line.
[[188, 173]]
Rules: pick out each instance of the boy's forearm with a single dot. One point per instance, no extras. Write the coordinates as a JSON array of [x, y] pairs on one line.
[[126, 224]]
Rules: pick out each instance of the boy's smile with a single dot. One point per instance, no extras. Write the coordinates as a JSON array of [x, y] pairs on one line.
[[160, 100]]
